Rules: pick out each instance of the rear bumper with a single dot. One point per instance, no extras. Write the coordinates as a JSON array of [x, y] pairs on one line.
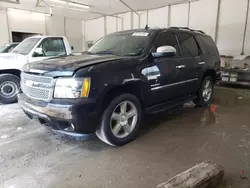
[[70, 117]]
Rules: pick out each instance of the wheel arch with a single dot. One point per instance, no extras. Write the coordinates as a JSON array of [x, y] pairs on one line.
[[135, 88], [15, 72], [210, 72]]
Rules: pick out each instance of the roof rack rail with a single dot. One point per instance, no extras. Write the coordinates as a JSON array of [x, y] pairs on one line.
[[187, 28]]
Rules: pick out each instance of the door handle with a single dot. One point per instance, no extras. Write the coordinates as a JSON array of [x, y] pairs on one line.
[[180, 66], [202, 63]]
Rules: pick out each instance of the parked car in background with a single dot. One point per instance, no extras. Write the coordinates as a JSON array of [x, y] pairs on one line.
[[107, 89], [236, 71], [7, 47], [31, 49]]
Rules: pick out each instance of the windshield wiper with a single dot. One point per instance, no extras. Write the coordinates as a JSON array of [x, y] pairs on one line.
[[106, 52]]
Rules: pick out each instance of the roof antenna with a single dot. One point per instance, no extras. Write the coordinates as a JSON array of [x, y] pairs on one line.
[[146, 27]]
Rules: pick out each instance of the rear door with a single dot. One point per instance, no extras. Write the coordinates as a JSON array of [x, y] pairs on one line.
[[210, 54], [162, 74], [189, 63]]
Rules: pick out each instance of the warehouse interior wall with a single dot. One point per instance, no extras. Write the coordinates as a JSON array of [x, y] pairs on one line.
[[4, 32], [223, 20], [18, 21]]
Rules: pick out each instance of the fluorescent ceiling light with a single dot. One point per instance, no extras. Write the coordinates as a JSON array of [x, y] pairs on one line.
[[28, 12], [78, 5], [59, 1], [71, 3]]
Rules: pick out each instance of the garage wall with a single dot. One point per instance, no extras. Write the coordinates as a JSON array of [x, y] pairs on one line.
[[111, 24], [73, 32], [4, 33], [127, 24], [179, 15], [94, 29], [204, 18], [231, 26], [158, 17], [136, 24], [55, 25], [143, 18], [26, 22], [37, 23]]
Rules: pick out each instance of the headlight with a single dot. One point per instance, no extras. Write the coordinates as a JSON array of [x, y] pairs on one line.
[[71, 88]]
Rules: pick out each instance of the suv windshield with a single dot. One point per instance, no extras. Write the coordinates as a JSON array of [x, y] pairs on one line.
[[129, 44], [26, 46]]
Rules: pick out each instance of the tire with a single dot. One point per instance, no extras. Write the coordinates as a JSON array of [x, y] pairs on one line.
[[9, 88], [116, 127], [202, 100]]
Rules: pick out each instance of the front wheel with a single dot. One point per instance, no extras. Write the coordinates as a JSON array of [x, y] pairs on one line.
[[120, 120], [205, 93], [9, 88]]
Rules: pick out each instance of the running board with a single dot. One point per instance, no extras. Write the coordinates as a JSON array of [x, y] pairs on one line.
[[168, 105]]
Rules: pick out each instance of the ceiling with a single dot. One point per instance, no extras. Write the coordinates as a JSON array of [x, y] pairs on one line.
[[97, 7]]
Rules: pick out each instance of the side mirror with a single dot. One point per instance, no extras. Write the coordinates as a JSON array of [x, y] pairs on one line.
[[164, 51], [72, 47], [38, 52]]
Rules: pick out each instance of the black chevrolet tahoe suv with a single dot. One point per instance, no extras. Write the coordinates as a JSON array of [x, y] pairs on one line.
[[122, 76]]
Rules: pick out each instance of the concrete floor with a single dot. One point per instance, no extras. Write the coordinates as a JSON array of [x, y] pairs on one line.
[[169, 143]]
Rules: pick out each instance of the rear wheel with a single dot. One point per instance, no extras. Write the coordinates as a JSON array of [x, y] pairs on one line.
[[205, 93], [120, 120], [9, 88]]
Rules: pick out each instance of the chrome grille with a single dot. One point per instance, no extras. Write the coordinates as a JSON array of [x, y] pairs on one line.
[[39, 79], [37, 87]]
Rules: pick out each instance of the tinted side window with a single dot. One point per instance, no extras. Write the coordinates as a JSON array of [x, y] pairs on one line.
[[188, 45], [167, 39], [209, 45]]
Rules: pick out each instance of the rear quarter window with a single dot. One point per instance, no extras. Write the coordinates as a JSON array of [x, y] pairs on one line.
[[209, 45]]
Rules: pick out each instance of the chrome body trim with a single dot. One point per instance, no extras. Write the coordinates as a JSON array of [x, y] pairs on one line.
[[173, 84]]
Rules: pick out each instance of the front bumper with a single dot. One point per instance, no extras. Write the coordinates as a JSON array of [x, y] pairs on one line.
[[70, 117]]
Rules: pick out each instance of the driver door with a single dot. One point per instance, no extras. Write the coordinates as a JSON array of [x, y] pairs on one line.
[[166, 74], [50, 47]]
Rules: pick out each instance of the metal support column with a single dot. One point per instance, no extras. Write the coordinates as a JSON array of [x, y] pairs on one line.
[[105, 25], [139, 21], [217, 22], [64, 25], [245, 30], [116, 21], [132, 20], [8, 26], [147, 16], [188, 14], [169, 15]]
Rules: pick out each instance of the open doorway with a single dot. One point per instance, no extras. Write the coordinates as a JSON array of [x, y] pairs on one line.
[[19, 36]]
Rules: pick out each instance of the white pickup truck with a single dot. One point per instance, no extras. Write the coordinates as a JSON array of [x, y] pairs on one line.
[[31, 49]]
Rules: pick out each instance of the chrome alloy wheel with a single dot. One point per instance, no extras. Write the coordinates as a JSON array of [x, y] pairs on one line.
[[123, 119], [207, 91]]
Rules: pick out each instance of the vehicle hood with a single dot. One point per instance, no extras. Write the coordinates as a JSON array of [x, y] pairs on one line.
[[12, 61], [68, 64]]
